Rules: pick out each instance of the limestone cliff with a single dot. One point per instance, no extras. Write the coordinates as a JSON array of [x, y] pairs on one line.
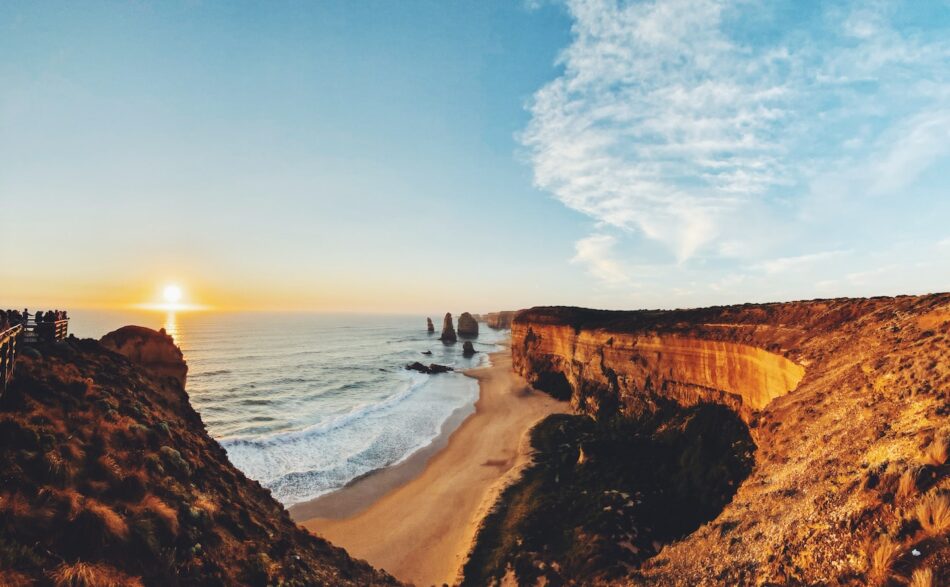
[[109, 478], [848, 403], [155, 351], [467, 325], [498, 320]]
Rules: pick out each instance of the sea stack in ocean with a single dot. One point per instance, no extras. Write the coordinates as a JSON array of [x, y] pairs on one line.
[[448, 330], [467, 325], [430, 327], [468, 349]]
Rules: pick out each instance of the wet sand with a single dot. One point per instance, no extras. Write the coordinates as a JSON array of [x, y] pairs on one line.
[[417, 519]]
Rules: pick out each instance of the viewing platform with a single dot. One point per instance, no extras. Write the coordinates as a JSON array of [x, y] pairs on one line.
[[18, 328]]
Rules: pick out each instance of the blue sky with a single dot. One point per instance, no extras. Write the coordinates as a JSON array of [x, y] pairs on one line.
[[425, 155]]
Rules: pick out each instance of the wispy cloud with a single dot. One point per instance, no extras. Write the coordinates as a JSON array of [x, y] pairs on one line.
[[670, 122], [596, 253], [784, 264]]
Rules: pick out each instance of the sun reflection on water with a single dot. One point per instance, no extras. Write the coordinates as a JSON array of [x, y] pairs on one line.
[[173, 329]]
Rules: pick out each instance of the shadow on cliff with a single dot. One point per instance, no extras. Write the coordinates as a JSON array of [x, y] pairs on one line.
[[603, 496]]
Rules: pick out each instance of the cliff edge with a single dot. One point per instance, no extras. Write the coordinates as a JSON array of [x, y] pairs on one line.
[[847, 400], [109, 478]]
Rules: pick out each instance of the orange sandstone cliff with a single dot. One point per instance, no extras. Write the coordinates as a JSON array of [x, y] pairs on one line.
[[848, 401]]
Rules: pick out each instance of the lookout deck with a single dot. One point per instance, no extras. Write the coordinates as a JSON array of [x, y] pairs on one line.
[[28, 332]]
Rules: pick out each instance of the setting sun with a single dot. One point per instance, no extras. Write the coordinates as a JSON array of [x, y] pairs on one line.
[[172, 294]]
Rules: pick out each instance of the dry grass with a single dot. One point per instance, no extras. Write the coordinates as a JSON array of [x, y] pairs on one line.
[[933, 513], [82, 574], [205, 502], [922, 578], [881, 555], [11, 578], [936, 453], [109, 467], [112, 522], [165, 513], [907, 484]]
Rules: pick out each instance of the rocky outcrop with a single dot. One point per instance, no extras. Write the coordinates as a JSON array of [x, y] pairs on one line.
[[430, 327], [467, 325], [842, 397], [155, 351], [109, 478], [448, 330], [499, 320], [468, 349], [432, 369]]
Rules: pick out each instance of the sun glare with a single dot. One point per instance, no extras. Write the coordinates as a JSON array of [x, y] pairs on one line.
[[172, 294]]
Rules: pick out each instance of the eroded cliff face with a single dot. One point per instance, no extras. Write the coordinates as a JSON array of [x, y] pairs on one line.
[[604, 370], [498, 320], [153, 350], [844, 398]]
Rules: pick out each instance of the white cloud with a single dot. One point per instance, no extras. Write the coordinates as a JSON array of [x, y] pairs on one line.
[[596, 253], [664, 124], [785, 264]]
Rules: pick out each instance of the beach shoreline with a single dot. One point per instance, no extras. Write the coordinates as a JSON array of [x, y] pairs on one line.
[[417, 519]]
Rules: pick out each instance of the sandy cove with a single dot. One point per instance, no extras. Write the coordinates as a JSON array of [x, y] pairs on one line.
[[417, 520]]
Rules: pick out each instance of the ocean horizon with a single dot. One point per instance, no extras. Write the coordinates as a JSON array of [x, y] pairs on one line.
[[304, 403]]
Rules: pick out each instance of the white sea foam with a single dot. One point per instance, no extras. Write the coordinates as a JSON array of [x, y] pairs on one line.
[[306, 403]]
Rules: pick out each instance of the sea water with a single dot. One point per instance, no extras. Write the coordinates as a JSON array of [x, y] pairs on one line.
[[304, 403]]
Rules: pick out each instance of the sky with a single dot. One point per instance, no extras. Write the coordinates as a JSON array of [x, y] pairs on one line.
[[433, 156]]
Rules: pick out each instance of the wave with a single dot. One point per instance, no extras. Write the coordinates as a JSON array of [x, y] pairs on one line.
[[361, 411], [209, 373]]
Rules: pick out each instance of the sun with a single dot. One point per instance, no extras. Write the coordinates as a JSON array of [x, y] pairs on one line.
[[172, 294]]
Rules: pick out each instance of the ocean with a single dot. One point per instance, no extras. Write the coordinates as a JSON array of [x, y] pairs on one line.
[[304, 403]]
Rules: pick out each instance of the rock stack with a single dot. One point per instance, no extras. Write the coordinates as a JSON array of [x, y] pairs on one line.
[[448, 330], [468, 349], [467, 325], [430, 327]]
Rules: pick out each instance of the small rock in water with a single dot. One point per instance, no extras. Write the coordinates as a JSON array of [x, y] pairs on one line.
[[430, 369], [426, 352], [468, 349]]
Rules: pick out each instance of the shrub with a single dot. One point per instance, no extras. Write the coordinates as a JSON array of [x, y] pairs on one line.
[[933, 513], [907, 484], [881, 555], [922, 578], [936, 453], [80, 574]]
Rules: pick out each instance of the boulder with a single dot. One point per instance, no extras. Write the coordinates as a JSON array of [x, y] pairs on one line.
[[448, 330], [467, 325], [468, 349], [432, 369], [430, 327]]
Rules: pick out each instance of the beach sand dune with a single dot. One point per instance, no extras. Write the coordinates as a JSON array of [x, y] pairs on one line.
[[421, 529]]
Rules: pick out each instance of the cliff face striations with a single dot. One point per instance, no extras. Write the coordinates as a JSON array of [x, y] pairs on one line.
[[109, 478], [848, 401]]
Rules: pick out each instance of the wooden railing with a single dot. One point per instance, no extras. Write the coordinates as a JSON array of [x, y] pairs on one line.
[[8, 343], [34, 332], [29, 332]]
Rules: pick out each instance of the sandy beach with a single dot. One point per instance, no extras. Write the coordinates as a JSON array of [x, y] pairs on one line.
[[417, 520]]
